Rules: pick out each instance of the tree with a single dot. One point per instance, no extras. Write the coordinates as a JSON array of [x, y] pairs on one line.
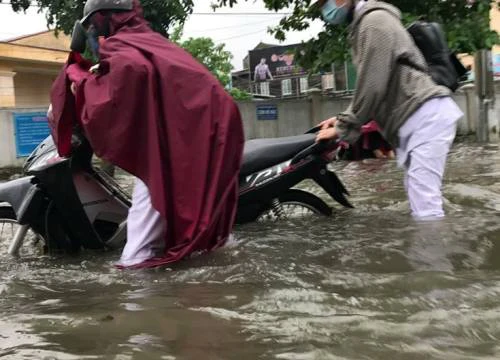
[[162, 14], [215, 57], [239, 95], [466, 23]]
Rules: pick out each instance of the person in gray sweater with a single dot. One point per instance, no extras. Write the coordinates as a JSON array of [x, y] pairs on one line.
[[417, 117]]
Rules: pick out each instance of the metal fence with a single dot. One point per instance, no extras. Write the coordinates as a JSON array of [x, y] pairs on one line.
[[340, 80]]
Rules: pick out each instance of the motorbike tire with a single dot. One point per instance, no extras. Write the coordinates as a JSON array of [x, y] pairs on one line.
[[7, 213], [64, 244], [304, 199]]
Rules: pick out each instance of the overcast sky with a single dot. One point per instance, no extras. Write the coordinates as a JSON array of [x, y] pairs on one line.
[[240, 32]]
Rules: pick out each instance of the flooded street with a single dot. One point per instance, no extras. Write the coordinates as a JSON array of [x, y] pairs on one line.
[[367, 283]]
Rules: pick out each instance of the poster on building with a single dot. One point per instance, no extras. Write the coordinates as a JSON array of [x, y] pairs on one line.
[[30, 130], [276, 61]]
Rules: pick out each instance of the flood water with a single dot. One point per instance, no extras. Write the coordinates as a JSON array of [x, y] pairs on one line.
[[368, 283]]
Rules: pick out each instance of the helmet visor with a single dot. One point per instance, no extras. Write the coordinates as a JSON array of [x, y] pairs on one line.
[[78, 38]]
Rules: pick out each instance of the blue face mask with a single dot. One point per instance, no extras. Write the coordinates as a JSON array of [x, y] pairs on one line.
[[334, 14]]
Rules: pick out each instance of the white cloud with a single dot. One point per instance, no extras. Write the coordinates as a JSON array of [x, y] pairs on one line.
[[240, 33]]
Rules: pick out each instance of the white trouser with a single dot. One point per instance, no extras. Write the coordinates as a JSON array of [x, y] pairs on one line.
[[145, 229], [424, 142]]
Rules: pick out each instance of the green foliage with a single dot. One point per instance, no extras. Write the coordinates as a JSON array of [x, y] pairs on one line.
[[238, 94], [215, 57], [466, 23], [162, 14], [87, 54]]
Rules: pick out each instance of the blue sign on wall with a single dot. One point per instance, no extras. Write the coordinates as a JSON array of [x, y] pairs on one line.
[[31, 130], [496, 64], [267, 112]]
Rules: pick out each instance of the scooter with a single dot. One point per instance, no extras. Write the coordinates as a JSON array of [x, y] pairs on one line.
[[71, 205]]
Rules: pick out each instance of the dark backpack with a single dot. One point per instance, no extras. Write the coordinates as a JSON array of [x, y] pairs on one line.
[[444, 67]]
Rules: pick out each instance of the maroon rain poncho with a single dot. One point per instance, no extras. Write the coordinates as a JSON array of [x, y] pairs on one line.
[[157, 113]]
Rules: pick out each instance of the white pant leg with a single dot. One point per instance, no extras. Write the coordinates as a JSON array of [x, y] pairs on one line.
[[145, 228], [425, 141], [424, 181], [424, 173]]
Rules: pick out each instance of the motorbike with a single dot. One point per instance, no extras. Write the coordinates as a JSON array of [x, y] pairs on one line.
[[69, 204]]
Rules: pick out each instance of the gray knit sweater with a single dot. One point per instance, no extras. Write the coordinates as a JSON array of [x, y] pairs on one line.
[[386, 91]]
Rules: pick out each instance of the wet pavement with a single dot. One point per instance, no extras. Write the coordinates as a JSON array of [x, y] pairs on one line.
[[367, 283]]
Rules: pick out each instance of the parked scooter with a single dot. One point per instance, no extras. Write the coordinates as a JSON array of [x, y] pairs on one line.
[[69, 204]]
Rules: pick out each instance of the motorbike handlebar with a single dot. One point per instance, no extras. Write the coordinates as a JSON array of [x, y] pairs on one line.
[[315, 148], [314, 130]]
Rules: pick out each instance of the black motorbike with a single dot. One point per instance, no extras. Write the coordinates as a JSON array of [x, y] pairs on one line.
[[68, 204]]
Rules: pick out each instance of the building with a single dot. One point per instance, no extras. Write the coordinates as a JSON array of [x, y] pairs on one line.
[[341, 79], [271, 71], [28, 66]]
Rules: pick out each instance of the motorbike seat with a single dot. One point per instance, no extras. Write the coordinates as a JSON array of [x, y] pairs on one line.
[[260, 154]]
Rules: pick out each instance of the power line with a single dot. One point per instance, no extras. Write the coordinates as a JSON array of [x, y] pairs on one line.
[[242, 35], [234, 26]]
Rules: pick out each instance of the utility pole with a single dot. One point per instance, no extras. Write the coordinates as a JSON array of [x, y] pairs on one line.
[[485, 92]]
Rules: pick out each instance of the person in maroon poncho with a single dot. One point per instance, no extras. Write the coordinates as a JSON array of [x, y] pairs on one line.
[[154, 111], [371, 144]]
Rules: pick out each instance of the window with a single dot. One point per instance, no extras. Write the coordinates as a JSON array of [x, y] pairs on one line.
[[304, 84], [264, 88], [286, 87], [327, 82]]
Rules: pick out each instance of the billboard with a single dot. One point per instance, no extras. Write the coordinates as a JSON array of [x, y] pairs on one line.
[[275, 61]]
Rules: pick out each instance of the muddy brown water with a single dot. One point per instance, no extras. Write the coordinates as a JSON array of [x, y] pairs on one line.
[[367, 283]]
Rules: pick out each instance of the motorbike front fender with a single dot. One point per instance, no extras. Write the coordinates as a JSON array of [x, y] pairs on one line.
[[14, 192], [25, 198], [329, 181]]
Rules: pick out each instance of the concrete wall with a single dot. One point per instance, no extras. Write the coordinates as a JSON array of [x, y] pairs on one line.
[[25, 86], [7, 141], [469, 103], [296, 116], [32, 90], [8, 156], [7, 94], [293, 118]]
